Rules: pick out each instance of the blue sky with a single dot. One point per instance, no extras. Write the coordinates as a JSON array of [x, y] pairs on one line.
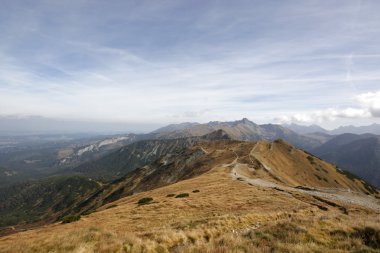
[[162, 62]]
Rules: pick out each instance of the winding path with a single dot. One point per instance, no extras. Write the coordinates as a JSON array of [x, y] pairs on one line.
[[329, 193]]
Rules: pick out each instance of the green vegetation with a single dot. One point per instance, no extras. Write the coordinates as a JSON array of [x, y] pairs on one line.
[[145, 201], [195, 191], [182, 195], [70, 218], [35, 200], [170, 195]]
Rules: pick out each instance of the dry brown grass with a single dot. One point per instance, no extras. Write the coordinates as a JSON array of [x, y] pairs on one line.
[[225, 216]]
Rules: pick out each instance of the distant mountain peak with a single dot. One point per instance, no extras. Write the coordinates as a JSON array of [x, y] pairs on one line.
[[242, 129], [245, 121], [176, 127], [302, 129], [373, 129], [217, 135]]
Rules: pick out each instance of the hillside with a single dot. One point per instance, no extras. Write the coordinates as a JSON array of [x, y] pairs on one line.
[[36, 157], [37, 201], [138, 154], [45, 200], [275, 162], [249, 196], [358, 154]]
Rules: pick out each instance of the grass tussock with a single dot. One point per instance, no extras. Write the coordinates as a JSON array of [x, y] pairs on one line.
[[182, 195], [229, 216], [286, 233], [111, 206], [71, 218], [145, 201]]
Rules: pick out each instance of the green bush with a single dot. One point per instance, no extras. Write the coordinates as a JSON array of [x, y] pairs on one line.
[[195, 191], [70, 218], [182, 195], [145, 201]]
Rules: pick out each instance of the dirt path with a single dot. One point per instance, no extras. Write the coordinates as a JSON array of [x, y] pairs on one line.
[[329, 193], [346, 197]]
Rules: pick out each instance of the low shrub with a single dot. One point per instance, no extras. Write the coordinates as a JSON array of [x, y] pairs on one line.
[[182, 195], [145, 201], [195, 191], [70, 218], [170, 195]]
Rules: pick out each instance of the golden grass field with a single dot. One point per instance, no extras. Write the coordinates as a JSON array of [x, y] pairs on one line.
[[226, 215]]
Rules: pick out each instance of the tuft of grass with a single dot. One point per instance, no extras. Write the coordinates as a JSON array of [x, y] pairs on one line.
[[369, 236], [182, 195], [319, 178], [145, 201], [195, 191], [111, 206], [311, 159], [70, 218]]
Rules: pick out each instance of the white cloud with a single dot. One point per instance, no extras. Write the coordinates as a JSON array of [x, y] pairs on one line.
[[370, 101], [367, 106]]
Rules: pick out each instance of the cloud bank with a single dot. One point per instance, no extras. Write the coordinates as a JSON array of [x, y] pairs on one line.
[[367, 106]]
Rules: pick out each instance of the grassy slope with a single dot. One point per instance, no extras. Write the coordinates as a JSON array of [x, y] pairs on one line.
[[289, 165], [46, 200], [225, 216]]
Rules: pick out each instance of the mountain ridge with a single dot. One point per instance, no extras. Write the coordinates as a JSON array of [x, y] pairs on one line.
[[217, 195], [358, 154], [243, 129], [310, 129]]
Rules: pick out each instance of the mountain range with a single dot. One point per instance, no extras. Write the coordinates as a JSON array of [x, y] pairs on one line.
[[200, 194], [97, 157], [109, 168], [361, 158], [243, 129], [302, 129], [359, 154]]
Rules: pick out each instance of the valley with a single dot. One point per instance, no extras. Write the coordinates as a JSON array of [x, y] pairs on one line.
[[223, 210], [241, 183]]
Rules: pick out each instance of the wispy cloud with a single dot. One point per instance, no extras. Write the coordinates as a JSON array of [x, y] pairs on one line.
[[172, 61]]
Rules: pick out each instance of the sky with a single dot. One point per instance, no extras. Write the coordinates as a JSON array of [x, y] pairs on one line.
[[151, 63]]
